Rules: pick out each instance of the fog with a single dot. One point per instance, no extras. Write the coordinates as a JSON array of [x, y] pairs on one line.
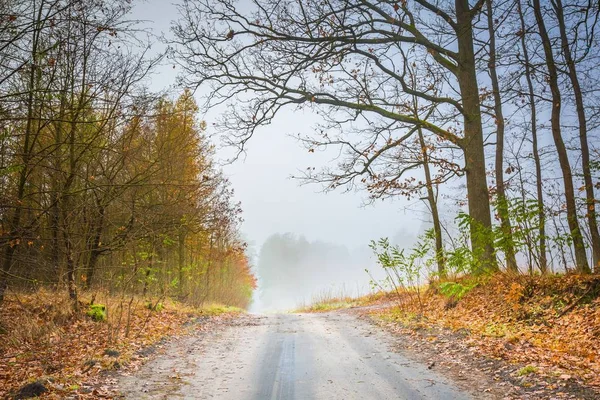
[[294, 271], [327, 249]]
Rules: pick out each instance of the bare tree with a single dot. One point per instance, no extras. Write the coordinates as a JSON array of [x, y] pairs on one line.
[[590, 20], [342, 58], [522, 33], [563, 158], [502, 202]]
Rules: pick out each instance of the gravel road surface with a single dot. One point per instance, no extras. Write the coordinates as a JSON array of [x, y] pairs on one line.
[[288, 356]]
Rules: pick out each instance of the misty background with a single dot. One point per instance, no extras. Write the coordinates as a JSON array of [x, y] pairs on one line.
[[294, 271], [302, 242]]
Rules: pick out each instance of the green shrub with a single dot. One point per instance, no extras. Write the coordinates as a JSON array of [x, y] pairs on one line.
[[97, 312], [404, 268], [155, 307], [529, 369], [456, 290], [218, 309]]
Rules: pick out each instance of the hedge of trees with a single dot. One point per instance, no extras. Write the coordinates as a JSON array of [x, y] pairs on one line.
[[102, 183]]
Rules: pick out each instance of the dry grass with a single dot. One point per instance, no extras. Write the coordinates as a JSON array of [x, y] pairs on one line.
[[214, 309], [329, 300]]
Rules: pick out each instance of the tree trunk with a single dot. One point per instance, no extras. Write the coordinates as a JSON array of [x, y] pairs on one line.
[[55, 240], [55, 187], [543, 261], [208, 271], [66, 208], [502, 202], [95, 248], [435, 216], [472, 144], [148, 272], [71, 269], [181, 258], [563, 158], [15, 222], [583, 139]]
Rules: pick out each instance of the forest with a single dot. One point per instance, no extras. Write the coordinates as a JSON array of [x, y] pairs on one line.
[[103, 184], [118, 226]]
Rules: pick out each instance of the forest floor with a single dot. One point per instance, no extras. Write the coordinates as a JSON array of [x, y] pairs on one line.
[[536, 337], [48, 349], [499, 337]]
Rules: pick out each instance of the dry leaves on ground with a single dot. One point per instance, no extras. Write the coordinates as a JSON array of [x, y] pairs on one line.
[[43, 341]]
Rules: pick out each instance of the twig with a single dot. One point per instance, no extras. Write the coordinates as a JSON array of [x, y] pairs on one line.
[[572, 305]]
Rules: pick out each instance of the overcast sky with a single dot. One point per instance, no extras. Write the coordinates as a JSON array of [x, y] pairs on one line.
[[271, 201]]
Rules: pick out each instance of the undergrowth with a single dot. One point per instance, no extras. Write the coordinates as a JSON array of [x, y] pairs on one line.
[[44, 338], [545, 322], [328, 301], [218, 309]]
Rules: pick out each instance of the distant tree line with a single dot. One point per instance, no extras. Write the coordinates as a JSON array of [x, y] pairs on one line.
[[292, 270]]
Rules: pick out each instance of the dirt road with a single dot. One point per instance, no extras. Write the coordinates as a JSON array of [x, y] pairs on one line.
[[288, 356]]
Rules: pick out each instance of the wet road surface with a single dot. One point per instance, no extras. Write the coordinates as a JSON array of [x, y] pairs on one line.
[[288, 356]]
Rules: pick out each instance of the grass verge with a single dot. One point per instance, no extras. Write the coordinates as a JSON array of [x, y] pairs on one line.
[[43, 340], [550, 324], [328, 301]]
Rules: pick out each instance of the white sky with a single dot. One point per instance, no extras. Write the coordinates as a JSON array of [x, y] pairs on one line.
[[271, 201]]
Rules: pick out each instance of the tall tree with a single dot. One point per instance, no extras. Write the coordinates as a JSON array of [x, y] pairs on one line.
[[340, 56], [522, 33], [501, 200], [563, 157], [581, 118]]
